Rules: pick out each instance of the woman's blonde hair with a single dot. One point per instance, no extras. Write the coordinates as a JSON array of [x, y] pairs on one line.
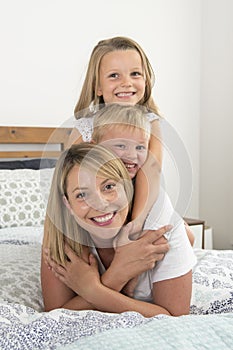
[[112, 115], [91, 82], [60, 225]]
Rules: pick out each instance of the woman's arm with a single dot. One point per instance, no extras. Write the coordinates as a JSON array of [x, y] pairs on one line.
[[130, 260], [56, 294], [174, 294], [108, 300], [86, 283], [171, 297]]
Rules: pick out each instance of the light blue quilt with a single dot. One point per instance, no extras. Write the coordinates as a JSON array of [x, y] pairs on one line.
[[186, 332]]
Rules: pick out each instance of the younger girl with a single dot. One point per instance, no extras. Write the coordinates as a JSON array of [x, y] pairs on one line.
[[126, 131]]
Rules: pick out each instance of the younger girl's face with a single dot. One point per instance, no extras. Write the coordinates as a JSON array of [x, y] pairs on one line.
[[128, 143], [98, 204], [121, 77]]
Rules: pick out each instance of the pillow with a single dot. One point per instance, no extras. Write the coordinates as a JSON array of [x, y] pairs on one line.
[[29, 164], [20, 273], [23, 196]]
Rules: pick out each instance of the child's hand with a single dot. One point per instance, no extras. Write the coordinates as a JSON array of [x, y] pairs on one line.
[[128, 233], [135, 257]]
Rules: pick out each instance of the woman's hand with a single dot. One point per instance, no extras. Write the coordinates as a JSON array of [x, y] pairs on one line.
[[80, 276]]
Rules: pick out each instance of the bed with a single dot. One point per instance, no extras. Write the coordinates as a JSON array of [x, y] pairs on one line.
[[25, 177]]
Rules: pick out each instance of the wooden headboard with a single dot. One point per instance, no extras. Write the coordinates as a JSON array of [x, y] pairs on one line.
[[33, 135]]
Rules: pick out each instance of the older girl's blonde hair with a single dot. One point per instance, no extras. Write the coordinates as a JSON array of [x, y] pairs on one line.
[[112, 115], [91, 82], [60, 225]]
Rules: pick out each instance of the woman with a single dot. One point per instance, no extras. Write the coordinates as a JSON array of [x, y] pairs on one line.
[[88, 204]]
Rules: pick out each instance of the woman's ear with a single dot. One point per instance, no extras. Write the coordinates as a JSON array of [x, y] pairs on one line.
[[67, 204], [99, 92]]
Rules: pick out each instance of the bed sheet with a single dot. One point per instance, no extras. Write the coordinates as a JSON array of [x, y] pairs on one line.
[[24, 325]]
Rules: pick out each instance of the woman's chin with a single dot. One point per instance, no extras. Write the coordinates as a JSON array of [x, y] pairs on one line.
[[97, 234]]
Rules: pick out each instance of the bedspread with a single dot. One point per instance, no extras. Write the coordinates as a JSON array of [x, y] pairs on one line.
[[24, 328], [24, 325]]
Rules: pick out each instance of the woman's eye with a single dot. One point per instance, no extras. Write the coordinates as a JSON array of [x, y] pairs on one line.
[[110, 186], [81, 195]]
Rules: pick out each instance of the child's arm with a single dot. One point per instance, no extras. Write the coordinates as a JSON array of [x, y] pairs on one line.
[[148, 179]]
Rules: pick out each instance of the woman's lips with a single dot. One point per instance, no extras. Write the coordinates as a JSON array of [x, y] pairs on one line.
[[103, 220]]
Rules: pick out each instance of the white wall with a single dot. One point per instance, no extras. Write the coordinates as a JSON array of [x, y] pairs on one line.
[[216, 185], [46, 44]]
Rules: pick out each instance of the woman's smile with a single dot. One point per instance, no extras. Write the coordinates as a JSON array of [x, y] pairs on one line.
[[104, 220], [98, 204]]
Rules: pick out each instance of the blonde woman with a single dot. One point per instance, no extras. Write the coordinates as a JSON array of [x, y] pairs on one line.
[[89, 202]]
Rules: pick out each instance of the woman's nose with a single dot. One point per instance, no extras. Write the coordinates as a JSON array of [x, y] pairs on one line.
[[98, 202]]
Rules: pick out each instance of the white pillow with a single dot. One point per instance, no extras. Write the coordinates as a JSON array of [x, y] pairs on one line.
[[20, 274], [23, 196], [20, 255]]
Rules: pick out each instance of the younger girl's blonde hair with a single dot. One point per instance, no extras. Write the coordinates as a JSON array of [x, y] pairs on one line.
[[112, 115], [60, 225], [91, 82]]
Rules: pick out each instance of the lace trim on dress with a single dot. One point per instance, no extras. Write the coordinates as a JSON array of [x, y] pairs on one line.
[[85, 127]]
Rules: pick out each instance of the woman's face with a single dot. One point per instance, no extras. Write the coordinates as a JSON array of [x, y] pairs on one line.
[[98, 204]]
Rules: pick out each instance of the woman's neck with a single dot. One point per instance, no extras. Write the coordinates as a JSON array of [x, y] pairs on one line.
[[101, 242]]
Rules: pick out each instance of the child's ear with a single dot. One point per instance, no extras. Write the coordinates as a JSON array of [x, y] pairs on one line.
[[93, 141], [67, 204]]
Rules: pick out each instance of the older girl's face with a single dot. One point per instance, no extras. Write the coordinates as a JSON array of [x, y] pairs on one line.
[[98, 204], [121, 77]]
